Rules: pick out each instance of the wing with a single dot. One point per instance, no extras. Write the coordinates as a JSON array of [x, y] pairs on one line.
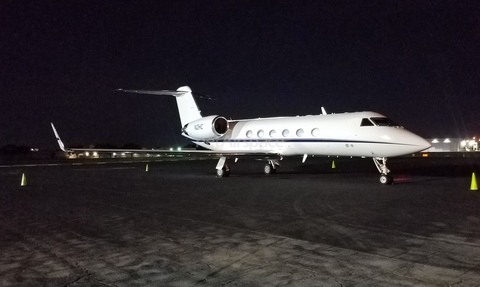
[[210, 153]]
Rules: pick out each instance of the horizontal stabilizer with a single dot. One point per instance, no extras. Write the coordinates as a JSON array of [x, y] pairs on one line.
[[181, 91], [187, 108], [160, 93]]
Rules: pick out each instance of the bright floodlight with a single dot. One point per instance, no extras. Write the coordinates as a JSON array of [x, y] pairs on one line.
[[435, 141], [95, 153], [171, 149], [179, 148], [463, 143], [446, 141], [471, 142]]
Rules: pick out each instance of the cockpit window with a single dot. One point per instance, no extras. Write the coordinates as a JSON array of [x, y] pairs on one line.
[[384, 122], [366, 123]]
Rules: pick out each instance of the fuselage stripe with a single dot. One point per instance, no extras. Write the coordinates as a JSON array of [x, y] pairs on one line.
[[303, 141]]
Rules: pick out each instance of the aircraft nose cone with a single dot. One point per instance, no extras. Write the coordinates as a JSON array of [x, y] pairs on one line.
[[421, 143], [426, 144]]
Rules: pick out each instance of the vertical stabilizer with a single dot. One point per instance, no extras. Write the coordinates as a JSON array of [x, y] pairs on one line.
[[187, 108]]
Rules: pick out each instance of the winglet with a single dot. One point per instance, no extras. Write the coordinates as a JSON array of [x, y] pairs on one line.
[[60, 143]]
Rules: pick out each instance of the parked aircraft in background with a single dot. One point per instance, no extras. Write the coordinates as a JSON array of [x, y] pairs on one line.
[[358, 134]]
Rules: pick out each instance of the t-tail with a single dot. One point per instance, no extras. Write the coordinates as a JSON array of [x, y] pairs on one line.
[[194, 126], [187, 107]]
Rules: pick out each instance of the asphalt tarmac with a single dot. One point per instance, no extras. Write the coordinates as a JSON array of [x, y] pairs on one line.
[[114, 224]]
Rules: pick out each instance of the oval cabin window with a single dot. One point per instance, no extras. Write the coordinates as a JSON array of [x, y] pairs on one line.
[[285, 133], [316, 132], [299, 132], [260, 133], [249, 134], [272, 133]]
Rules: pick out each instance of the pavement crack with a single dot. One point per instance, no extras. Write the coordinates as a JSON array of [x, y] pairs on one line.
[[76, 280], [228, 283], [214, 273], [455, 283]]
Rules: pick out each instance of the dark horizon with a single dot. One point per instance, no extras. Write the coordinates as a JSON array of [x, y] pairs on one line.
[[416, 62]]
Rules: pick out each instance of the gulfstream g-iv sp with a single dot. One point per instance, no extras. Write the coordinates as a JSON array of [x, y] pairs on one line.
[[359, 134]]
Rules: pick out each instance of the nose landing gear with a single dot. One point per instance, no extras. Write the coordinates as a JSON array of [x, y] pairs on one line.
[[386, 179], [381, 164]]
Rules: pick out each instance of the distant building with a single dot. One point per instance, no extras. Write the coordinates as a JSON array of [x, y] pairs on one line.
[[453, 145]]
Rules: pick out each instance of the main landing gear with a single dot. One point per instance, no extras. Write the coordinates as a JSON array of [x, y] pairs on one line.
[[223, 170], [381, 164], [271, 167]]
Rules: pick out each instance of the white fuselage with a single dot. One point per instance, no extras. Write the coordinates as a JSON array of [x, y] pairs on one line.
[[332, 134]]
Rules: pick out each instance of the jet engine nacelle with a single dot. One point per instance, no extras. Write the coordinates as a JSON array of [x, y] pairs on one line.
[[207, 128]]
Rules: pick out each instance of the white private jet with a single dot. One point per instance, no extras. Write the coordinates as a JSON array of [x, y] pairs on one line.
[[359, 134]]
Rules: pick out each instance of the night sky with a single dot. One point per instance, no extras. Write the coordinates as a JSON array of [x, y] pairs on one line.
[[417, 62]]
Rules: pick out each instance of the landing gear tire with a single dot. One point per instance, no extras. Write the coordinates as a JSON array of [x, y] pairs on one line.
[[268, 169], [386, 179], [223, 172]]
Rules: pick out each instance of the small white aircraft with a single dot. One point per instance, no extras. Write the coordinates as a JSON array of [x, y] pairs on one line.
[[359, 134]]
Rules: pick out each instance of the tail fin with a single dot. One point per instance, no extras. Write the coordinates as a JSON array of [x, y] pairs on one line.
[[187, 107]]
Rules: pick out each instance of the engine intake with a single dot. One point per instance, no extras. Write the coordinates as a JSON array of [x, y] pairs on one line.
[[207, 128]]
